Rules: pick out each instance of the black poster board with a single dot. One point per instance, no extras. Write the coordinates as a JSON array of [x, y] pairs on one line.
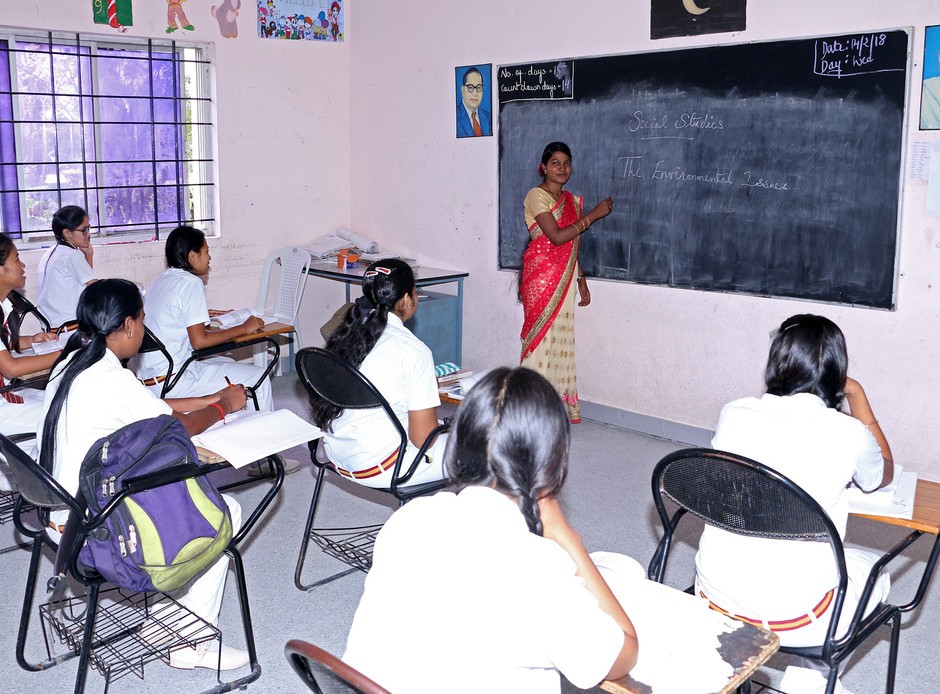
[[765, 168]]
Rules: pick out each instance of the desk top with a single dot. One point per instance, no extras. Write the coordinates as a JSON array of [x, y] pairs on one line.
[[354, 275], [267, 330], [926, 516], [745, 649], [684, 645]]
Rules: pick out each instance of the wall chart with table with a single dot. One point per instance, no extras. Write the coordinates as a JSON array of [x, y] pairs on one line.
[[768, 168]]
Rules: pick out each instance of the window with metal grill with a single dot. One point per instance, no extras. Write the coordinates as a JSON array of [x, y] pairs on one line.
[[122, 128]]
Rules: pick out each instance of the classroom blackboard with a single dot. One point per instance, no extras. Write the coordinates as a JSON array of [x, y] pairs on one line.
[[765, 168]]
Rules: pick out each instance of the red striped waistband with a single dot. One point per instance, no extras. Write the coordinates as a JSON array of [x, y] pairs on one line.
[[373, 471], [780, 624]]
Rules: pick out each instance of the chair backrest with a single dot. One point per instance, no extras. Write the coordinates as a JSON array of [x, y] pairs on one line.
[[336, 381], [152, 343], [326, 674], [294, 263], [23, 307], [739, 495], [34, 484]]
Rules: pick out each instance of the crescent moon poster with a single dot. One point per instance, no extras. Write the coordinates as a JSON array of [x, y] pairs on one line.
[[670, 18]]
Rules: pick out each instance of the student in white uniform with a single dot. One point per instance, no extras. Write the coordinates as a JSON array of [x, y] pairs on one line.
[[511, 579], [797, 429], [363, 444], [90, 395], [177, 313], [66, 268], [19, 410]]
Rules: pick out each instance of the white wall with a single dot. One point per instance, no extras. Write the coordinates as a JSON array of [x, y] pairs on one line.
[[282, 114], [674, 354]]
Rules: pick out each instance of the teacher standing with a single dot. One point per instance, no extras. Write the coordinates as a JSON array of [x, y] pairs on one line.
[[550, 263]]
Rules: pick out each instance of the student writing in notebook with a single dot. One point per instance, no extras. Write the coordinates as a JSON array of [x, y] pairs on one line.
[[91, 395], [178, 314], [19, 410], [502, 575], [66, 268], [796, 428]]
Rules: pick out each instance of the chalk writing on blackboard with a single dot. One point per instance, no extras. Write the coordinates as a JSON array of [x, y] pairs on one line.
[[846, 56], [553, 80]]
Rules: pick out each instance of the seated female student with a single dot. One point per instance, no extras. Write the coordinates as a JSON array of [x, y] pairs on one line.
[[508, 580], [90, 395], [19, 410], [363, 444], [177, 313], [797, 429], [66, 268]]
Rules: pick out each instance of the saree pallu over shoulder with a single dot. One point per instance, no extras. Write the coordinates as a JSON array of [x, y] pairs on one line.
[[547, 271]]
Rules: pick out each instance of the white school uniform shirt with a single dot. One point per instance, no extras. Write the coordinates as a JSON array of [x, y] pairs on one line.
[[402, 368], [103, 398], [63, 275], [491, 589], [822, 450], [175, 301]]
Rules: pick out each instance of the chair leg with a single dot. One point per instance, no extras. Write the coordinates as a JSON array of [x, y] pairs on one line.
[[833, 678], [745, 688], [305, 542], [84, 656], [245, 609], [893, 652]]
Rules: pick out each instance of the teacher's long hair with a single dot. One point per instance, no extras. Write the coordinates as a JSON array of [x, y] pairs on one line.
[[384, 284], [511, 433], [103, 307]]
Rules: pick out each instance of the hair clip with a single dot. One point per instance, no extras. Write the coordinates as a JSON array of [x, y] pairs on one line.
[[383, 270], [370, 273]]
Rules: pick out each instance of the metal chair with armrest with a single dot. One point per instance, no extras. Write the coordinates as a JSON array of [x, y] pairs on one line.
[[325, 374], [743, 496], [114, 644], [152, 343]]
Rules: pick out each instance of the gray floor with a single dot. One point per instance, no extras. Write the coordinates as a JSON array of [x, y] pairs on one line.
[[607, 497]]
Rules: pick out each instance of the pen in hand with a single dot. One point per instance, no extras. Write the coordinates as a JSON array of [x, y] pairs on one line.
[[228, 381]]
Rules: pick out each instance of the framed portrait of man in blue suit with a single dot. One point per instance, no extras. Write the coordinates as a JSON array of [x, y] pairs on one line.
[[474, 94]]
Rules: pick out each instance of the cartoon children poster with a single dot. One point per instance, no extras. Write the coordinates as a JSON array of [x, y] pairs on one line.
[[311, 20]]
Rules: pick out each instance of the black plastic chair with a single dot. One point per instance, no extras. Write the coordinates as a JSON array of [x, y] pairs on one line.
[[325, 374], [152, 343], [38, 487], [743, 496], [324, 673]]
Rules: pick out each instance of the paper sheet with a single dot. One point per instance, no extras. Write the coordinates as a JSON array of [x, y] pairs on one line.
[[359, 241], [678, 635], [918, 160], [244, 437], [52, 345], [894, 501]]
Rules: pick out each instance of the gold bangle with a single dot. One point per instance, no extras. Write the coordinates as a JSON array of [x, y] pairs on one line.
[[587, 220], [871, 424]]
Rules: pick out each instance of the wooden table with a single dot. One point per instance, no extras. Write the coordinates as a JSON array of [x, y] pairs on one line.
[[925, 520], [658, 613]]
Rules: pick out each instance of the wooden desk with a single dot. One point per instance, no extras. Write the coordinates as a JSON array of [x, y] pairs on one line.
[[267, 330], [424, 329], [658, 613], [925, 520]]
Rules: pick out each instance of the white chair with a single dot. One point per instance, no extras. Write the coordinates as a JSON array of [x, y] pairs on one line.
[[294, 263]]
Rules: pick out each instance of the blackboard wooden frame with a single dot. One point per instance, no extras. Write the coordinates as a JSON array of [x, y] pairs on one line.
[[771, 168]]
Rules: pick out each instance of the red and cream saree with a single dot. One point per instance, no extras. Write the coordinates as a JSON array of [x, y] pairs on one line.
[[547, 293]]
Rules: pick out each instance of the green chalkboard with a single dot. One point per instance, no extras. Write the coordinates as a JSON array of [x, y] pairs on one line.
[[768, 168]]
